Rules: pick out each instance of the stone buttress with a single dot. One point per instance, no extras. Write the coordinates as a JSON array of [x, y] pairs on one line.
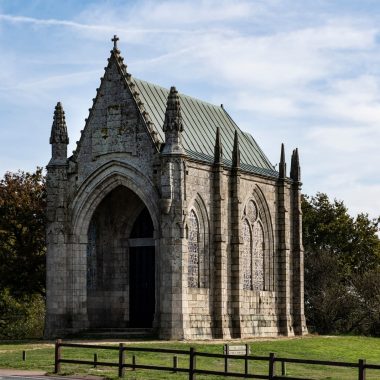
[[173, 207], [299, 320], [235, 241], [57, 283], [221, 283]]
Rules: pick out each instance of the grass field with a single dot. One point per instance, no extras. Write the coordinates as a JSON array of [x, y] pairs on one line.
[[40, 355]]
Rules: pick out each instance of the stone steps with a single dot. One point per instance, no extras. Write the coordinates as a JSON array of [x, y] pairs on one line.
[[119, 333]]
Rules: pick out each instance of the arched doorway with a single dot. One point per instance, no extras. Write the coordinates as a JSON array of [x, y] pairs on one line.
[[120, 263]]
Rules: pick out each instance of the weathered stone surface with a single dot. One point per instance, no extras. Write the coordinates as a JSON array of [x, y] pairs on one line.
[[121, 195]]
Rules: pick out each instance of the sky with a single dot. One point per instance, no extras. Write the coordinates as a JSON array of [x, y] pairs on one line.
[[303, 73]]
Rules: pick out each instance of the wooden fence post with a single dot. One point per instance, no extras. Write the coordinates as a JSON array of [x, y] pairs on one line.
[[246, 359], [121, 360], [271, 366], [283, 368], [362, 369], [192, 364], [134, 363], [175, 363], [225, 358], [95, 359], [57, 356], [23, 355]]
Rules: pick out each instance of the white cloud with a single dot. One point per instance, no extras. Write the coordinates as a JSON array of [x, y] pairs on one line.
[[174, 13], [301, 76], [278, 106], [89, 29], [355, 140], [362, 198], [49, 22]]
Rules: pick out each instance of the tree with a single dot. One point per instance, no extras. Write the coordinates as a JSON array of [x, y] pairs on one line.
[[22, 232], [21, 317], [342, 262]]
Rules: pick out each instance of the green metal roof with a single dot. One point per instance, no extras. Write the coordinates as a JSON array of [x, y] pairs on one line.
[[200, 120]]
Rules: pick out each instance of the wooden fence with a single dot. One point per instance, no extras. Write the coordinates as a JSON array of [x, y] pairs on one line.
[[192, 369]]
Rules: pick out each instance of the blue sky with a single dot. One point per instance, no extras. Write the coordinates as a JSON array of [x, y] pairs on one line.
[[306, 73]]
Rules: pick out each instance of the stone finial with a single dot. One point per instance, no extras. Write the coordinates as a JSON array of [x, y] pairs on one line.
[[236, 152], [282, 166], [295, 169], [59, 130], [114, 40], [218, 151], [173, 118], [173, 124]]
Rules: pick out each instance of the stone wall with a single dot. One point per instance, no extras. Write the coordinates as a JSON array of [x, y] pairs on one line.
[[211, 222]]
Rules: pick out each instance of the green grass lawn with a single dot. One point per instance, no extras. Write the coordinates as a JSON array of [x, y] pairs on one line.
[[40, 355]]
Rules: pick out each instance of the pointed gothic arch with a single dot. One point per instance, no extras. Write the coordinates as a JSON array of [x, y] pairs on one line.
[[258, 250], [267, 226], [247, 256], [258, 275], [193, 241], [120, 262], [92, 193], [197, 227]]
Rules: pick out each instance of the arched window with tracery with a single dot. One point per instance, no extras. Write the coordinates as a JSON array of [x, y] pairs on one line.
[[258, 257], [247, 256], [253, 248], [193, 250]]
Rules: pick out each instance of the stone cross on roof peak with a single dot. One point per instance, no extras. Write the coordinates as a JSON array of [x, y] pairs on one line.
[[114, 40]]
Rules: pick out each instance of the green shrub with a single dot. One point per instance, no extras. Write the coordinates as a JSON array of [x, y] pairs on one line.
[[21, 317]]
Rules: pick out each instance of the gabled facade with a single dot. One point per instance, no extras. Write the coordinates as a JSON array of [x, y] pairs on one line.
[[168, 216]]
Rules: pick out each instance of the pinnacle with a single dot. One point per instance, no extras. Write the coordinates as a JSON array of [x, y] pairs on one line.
[[173, 117], [282, 158], [218, 152], [59, 129], [295, 170], [282, 166], [236, 152]]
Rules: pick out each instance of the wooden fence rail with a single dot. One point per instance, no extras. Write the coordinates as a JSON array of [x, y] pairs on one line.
[[192, 369]]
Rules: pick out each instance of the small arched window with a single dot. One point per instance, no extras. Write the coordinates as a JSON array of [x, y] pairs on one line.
[[193, 249]]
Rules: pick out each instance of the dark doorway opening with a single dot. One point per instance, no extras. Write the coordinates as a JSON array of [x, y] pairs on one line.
[[120, 263], [142, 299], [142, 272]]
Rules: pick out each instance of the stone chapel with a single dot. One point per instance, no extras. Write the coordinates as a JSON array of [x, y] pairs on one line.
[[167, 216]]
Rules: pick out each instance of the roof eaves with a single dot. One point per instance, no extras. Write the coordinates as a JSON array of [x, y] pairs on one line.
[[204, 158]]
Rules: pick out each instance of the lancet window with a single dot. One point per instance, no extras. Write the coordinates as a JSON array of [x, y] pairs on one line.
[[247, 256], [258, 257], [193, 250], [253, 249]]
